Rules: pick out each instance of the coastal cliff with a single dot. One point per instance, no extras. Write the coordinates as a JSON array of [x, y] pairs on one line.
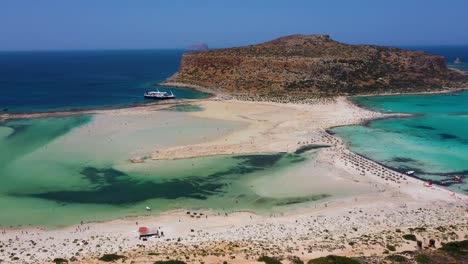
[[315, 65]]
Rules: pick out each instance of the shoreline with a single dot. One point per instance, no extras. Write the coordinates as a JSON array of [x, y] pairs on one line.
[[269, 128], [134, 107], [211, 91], [211, 96], [197, 88], [443, 91]]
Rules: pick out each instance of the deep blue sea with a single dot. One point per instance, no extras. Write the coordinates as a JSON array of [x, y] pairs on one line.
[[59, 80], [62, 80]]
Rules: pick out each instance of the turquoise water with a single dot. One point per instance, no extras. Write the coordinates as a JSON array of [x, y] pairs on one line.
[[433, 143], [60, 171], [442, 104]]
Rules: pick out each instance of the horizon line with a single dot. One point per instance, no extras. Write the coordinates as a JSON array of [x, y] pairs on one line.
[[211, 48]]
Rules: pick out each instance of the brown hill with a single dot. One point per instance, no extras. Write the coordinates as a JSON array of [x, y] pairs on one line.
[[315, 64]]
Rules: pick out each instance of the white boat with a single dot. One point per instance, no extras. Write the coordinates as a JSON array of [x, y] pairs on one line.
[[409, 172], [148, 208], [159, 95]]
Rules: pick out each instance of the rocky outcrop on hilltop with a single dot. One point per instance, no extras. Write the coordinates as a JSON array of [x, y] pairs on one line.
[[197, 47], [315, 64]]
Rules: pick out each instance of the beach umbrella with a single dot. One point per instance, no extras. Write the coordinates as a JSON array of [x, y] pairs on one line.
[[143, 230]]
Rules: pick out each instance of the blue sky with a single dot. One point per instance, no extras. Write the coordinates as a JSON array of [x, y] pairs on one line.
[[140, 24]]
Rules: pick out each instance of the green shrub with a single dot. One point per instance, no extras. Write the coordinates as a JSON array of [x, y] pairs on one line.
[[296, 260], [111, 257], [459, 248], [391, 248], [60, 261], [169, 262], [409, 237], [333, 260], [268, 260], [397, 258], [423, 259]]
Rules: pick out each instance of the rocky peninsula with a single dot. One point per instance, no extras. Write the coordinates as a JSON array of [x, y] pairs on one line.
[[314, 66]]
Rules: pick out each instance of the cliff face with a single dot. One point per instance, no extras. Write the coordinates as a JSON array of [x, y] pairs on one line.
[[314, 64]]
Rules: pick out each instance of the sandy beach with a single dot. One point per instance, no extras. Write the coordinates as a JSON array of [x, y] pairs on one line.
[[273, 127], [359, 224]]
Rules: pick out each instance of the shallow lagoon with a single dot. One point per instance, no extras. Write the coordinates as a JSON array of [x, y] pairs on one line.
[[60, 171], [434, 143], [65, 165]]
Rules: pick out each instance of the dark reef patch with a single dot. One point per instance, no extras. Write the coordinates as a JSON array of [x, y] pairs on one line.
[[117, 188], [297, 159], [444, 178], [306, 148], [290, 200], [423, 127], [184, 108], [101, 176], [298, 200], [403, 159], [114, 187], [447, 136], [458, 114], [17, 130], [403, 169], [445, 181], [261, 161], [31, 134], [450, 173]]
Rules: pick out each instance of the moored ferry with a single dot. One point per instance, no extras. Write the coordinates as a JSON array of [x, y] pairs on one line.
[[159, 95]]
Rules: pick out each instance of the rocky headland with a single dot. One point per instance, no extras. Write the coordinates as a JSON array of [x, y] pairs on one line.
[[315, 65]]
